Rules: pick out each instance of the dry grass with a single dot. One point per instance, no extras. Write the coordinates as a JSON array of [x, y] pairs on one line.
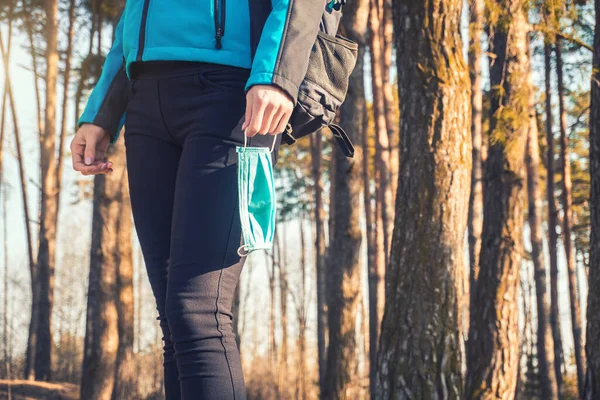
[[30, 390]]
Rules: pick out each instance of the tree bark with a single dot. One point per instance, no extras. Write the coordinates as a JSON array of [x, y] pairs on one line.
[[5, 330], [344, 251], [48, 201], [65, 102], [301, 315], [316, 148], [545, 342], [419, 356], [552, 216], [493, 348], [102, 326], [567, 203], [283, 295], [374, 280], [383, 169], [476, 9], [391, 106], [592, 345], [125, 370]]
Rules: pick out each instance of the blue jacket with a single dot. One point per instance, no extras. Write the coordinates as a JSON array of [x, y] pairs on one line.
[[273, 38]]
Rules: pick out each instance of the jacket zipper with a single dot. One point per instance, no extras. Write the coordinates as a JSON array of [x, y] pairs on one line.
[[143, 30], [219, 22]]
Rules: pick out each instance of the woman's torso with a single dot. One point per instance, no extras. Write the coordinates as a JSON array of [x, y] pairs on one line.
[[215, 31]]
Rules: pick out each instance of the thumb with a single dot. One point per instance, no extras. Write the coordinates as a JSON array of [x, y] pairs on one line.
[[90, 149]]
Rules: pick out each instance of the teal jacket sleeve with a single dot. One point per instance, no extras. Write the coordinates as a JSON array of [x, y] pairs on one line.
[[107, 102], [284, 48]]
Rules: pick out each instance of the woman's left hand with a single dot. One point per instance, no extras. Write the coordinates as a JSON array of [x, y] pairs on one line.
[[268, 110]]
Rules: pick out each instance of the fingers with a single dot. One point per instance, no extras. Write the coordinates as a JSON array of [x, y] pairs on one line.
[[269, 119], [255, 122], [280, 123], [90, 149], [78, 150]]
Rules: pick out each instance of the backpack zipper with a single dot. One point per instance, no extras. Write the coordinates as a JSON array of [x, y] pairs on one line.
[[219, 22], [143, 30]]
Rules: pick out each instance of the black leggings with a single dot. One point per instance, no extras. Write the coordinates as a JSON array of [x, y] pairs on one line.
[[183, 122]]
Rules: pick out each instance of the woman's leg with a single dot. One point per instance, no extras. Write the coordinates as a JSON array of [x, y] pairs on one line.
[[152, 163], [205, 267]]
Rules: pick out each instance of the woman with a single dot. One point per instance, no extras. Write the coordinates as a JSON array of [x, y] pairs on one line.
[[187, 79]]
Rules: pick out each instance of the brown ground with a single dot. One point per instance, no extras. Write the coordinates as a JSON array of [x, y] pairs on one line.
[[30, 390]]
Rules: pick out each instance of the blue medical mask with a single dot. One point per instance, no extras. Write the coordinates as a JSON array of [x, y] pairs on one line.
[[257, 202]]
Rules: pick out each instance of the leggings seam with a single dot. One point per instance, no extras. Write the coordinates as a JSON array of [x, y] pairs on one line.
[[162, 115], [217, 314]]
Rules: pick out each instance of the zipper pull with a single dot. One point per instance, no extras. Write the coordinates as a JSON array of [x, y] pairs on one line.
[[218, 45]]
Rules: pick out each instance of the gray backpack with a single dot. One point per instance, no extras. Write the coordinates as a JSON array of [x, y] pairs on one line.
[[325, 86]]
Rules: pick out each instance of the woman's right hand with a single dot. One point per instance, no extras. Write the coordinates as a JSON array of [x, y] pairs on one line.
[[88, 149]]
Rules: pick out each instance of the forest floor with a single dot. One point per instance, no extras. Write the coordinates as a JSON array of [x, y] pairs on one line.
[[31, 390]]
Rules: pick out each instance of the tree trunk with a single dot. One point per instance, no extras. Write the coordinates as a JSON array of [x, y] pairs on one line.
[[567, 203], [493, 348], [65, 102], [32, 335], [48, 201], [316, 148], [391, 106], [344, 251], [476, 9], [592, 344], [545, 342], [419, 356], [301, 314], [125, 371], [383, 188], [102, 327], [5, 330], [374, 280], [283, 295], [34, 63], [552, 216], [275, 258]]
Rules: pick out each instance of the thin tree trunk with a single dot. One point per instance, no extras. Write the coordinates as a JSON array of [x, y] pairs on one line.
[[283, 295], [419, 355], [32, 338], [48, 201], [390, 105], [85, 65], [476, 9], [65, 103], [493, 351], [5, 93], [374, 279], [316, 148], [3, 195], [552, 216], [271, 273], [34, 63], [545, 342], [382, 144], [125, 371], [344, 251], [102, 326], [592, 344], [301, 314], [567, 203], [7, 360]]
